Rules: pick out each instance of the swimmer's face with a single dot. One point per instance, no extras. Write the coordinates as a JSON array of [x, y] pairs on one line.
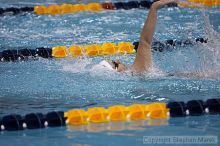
[[116, 64]]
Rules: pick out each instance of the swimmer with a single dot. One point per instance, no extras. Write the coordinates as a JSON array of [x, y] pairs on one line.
[[143, 60]]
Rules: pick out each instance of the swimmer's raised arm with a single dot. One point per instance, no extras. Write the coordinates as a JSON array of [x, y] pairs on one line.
[[143, 59]]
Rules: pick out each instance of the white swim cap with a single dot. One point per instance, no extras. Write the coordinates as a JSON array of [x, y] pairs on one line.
[[106, 64]]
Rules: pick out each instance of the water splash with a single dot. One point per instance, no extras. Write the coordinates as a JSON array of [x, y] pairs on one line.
[[211, 50], [208, 53], [78, 65]]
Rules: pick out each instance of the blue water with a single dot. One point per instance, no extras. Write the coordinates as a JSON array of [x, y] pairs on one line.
[[61, 84]]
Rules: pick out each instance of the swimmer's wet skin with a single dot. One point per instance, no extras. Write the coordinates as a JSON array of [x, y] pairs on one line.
[[143, 61]]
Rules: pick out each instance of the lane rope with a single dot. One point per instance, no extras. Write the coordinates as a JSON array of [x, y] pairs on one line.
[[92, 50], [97, 7], [73, 8], [115, 113]]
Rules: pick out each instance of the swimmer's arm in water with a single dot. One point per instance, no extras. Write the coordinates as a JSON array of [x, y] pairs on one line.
[[143, 59]]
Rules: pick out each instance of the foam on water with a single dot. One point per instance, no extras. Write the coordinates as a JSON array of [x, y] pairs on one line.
[[78, 65]]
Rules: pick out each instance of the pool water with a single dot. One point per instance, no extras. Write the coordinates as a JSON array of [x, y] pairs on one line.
[[45, 85]]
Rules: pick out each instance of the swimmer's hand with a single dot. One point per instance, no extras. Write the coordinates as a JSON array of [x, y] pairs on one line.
[[159, 4]]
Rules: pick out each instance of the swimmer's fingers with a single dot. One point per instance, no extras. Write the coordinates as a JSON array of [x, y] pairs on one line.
[[159, 4]]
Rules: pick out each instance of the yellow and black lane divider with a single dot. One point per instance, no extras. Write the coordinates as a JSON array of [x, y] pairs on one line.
[[73, 8], [93, 7], [115, 113], [199, 3], [91, 50], [97, 7]]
